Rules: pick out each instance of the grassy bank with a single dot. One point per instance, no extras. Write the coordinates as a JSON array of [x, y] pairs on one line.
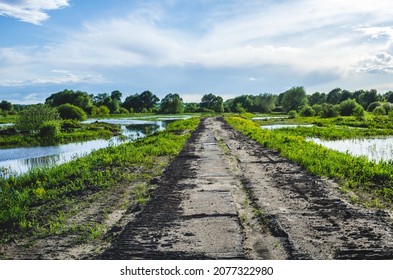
[[369, 121], [70, 132], [372, 182], [335, 133], [37, 203]]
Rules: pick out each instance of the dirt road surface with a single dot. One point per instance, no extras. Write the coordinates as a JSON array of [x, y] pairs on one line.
[[227, 197]]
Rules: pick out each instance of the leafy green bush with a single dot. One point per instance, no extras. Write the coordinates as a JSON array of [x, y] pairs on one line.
[[32, 118], [379, 111], [390, 115], [70, 125], [100, 111], [123, 110], [329, 110], [49, 130], [307, 111], [373, 105], [388, 107], [346, 107], [358, 112], [318, 109], [71, 112], [292, 114]]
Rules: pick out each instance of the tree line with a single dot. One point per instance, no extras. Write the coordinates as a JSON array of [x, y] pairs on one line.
[[294, 100]]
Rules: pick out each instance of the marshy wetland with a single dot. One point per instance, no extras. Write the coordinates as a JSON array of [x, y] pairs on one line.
[[22, 159]]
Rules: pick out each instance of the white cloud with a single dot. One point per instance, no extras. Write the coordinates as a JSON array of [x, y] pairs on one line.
[[31, 11], [376, 63], [31, 98], [60, 77], [291, 39]]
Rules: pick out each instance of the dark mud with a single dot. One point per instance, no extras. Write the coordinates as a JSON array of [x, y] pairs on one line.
[[227, 197]]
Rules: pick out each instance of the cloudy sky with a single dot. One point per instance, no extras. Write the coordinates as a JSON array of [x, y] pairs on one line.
[[227, 47]]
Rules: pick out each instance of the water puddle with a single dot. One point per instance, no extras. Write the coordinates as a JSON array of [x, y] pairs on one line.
[[269, 118], [16, 161], [278, 126], [375, 149]]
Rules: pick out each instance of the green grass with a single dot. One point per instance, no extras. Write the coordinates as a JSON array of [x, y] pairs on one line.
[[372, 181], [369, 121], [7, 119], [76, 132], [335, 133], [336, 128], [34, 202]]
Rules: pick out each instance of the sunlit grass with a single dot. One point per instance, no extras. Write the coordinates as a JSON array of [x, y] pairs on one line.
[[34, 201], [355, 173]]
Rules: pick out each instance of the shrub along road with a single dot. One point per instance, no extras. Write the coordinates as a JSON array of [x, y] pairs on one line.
[[227, 197]]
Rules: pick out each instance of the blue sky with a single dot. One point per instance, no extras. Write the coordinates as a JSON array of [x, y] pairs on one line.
[[229, 47]]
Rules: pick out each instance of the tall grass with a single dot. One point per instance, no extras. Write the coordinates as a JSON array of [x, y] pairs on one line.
[[357, 173]]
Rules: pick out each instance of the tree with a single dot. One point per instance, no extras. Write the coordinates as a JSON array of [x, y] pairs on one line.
[[113, 106], [34, 116], [243, 102], [389, 96], [293, 99], [347, 107], [330, 110], [138, 102], [172, 104], [368, 97], [112, 102], [213, 102], [307, 111], [116, 95], [345, 95], [334, 97], [191, 108], [317, 98], [71, 112], [132, 103], [101, 99], [6, 106], [264, 103], [318, 109], [78, 98]]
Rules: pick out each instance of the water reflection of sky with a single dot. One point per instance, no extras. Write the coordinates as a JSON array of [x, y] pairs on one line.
[[269, 118], [278, 126], [375, 149], [20, 160]]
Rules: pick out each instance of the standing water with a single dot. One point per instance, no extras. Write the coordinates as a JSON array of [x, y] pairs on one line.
[[375, 149], [16, 161]]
